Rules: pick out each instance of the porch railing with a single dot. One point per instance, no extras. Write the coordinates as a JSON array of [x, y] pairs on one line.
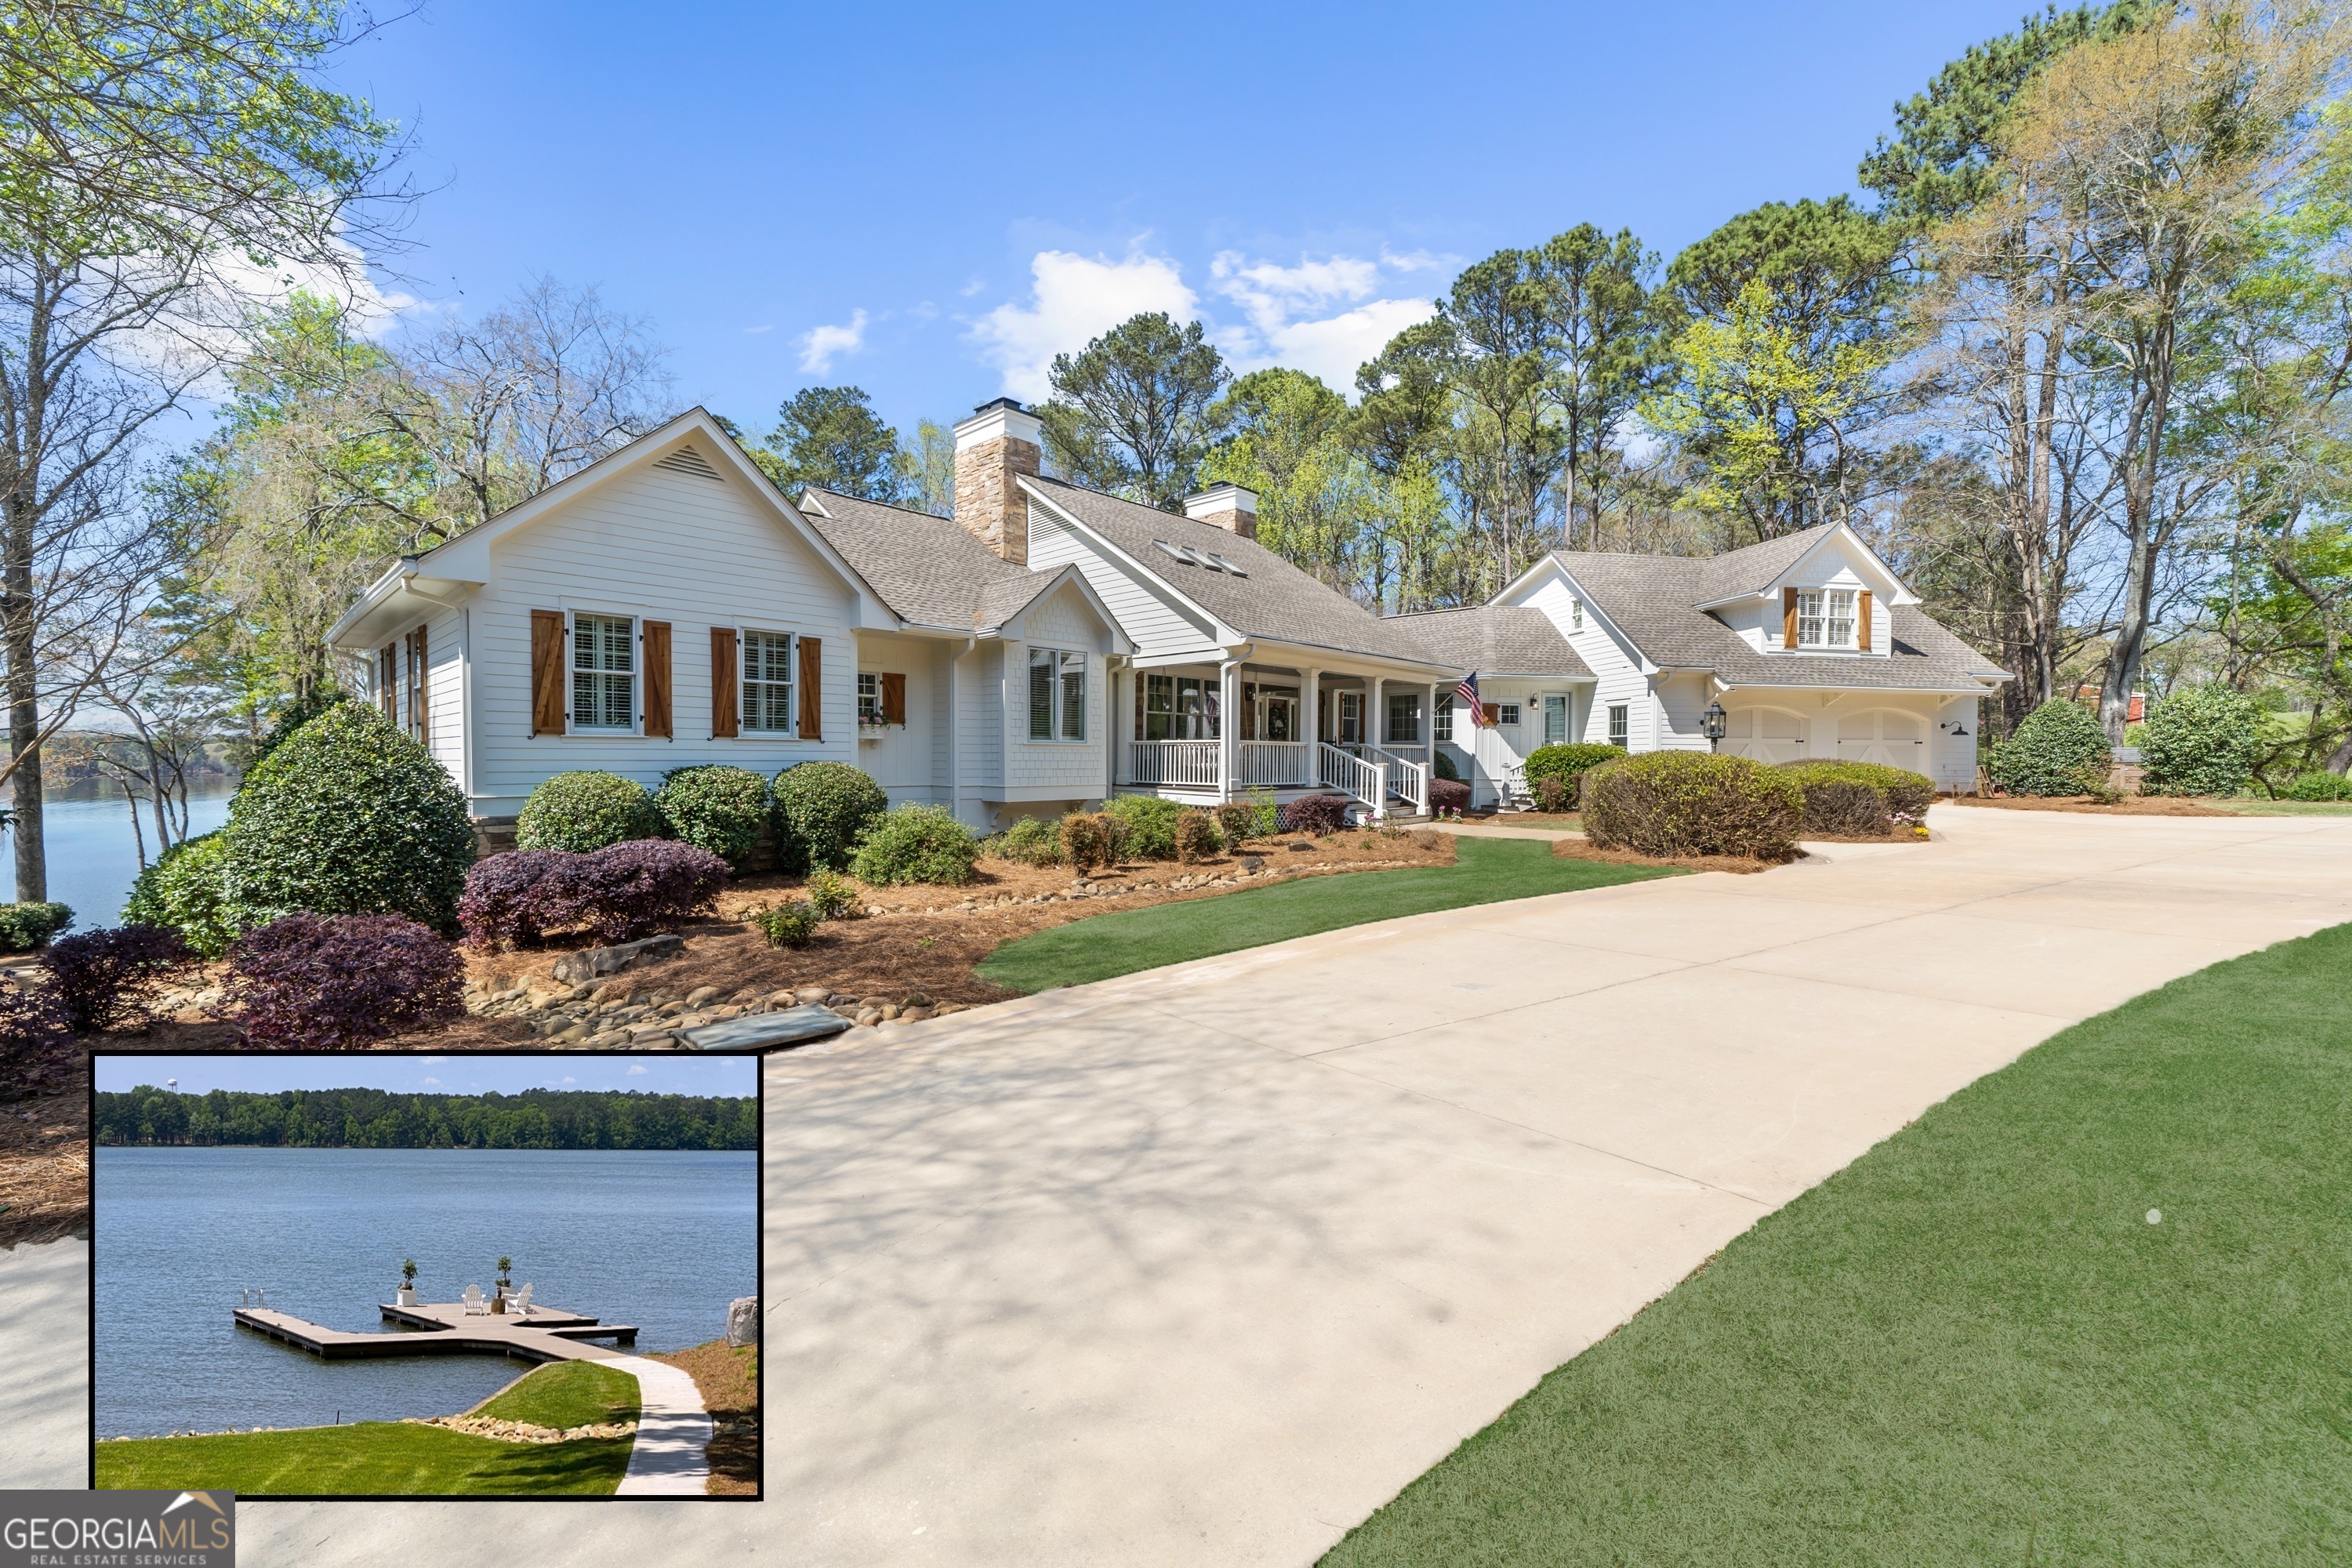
[[1190, 763], [1353, 775], [1404, 778], [1280, 762]]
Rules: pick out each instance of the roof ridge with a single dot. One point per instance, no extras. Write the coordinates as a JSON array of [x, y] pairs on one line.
[[886, 506]]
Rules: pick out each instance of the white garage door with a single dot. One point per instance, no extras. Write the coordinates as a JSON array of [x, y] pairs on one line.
[[1767, 734], [1886, 736]]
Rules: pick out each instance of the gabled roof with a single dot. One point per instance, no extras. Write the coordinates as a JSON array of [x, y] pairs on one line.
[[1497, 639], [929, 570], [1272, 599], [1654, 600]]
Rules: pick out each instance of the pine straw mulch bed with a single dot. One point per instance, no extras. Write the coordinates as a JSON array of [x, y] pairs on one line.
[[2129, 805], [1738, 864], [45, 1163], [931, 938], [730, 1384]]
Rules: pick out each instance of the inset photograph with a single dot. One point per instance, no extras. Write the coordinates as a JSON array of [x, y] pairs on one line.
[[487, 1274]]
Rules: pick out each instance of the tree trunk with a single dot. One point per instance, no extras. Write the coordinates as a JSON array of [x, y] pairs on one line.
[[16, 645]]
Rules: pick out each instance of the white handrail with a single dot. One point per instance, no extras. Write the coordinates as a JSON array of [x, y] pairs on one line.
[[1280, 762], [1358, 777], [1183, 762], [1404, 777]]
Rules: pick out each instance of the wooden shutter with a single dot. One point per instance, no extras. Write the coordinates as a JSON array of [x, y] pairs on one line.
[[1862, 622], [894, 699], [812, 689], [723, 688], [656, 646], [1788, 617], [387, 682], [547, 672], [1490, 714]]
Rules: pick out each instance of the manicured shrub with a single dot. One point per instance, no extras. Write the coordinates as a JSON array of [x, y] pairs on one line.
[[1446, 768], [1315, 813], [1090, 840], [1149, 825], [2057, 749], [102, 980], [789, 924], [2203, 741], [2318, 784], [833, 896], [1693, 803], [916, 843], [1859, 797], [583, 812], [182, 890], [339, 982], [822, 811], [296, 715], [1197, 837], [1568, 762], [348, 817], [715, 807], [1448, 795], [1257, 814], [1556, 793], [1032, 841], [24, 927], [619, 893], [37, 1055]]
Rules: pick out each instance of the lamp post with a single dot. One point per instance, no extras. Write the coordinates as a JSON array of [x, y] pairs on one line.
[[1715, 723]]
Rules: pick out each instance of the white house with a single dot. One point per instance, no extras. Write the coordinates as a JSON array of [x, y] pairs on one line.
[[1050, 646]]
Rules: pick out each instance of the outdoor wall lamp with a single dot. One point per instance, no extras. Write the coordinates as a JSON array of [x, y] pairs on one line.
[[1714, 724]]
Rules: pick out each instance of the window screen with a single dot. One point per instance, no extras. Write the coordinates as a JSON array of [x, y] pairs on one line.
[[603, 672], [768, 682]]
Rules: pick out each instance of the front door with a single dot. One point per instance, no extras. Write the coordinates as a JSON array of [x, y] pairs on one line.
[[1280, 720]]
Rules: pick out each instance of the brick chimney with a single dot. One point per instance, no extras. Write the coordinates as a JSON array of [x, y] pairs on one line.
[[1228, 507], [1001, 439]]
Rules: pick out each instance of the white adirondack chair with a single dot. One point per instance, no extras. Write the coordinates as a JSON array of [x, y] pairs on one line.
[[475, 1305], [520, 1307]]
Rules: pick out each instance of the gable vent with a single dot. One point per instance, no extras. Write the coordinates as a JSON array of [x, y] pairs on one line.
[[686, 460]]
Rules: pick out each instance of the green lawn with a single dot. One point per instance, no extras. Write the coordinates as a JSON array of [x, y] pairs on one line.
[[1971, 1346], [394, 1459], [2288, 807], [1489, 871]]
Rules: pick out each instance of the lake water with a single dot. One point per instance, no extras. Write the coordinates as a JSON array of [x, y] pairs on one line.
[[663, 1240], [94, 858]]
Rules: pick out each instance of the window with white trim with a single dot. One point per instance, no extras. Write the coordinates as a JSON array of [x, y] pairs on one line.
[[603, 673], [869, 699], [1618, 712], [1825, 617], [768, 682], [1404, 718], [1445, 723], [1057, 695], [1507, 714], [1554, 711], [1576, 614]]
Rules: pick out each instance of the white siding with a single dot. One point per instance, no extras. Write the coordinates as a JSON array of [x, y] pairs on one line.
[[661, 546], [906, 760], [1058, 770], [445, 691], [1615, 665], [1152, 620], [1675, 714]]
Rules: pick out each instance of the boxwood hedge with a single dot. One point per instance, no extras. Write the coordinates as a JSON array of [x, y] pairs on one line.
[[583, 812], [1693, 803]]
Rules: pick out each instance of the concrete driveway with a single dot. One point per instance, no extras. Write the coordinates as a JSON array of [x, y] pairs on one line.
[[1202, 1266]]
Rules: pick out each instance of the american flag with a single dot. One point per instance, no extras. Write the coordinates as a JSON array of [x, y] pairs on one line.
[[1468, 692]]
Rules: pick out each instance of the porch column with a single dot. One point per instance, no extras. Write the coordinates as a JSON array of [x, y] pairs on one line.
[[1310, 729], [1229, 726], [1429, 727], [1120, 718]]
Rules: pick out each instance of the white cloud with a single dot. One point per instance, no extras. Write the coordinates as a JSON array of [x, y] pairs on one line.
[[1333, 347], [755, 331], [571, 1081], [822, 345], [1271, 293], [637, 1071], [210, 324], [430, 1062], [1317, 316], [433, 1080], [1075, 298]]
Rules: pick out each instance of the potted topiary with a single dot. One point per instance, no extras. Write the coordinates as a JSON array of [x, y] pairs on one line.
[[408, 1282], [506, 1268]]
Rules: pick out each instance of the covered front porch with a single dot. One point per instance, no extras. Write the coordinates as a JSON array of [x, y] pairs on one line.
[[1211, 732]]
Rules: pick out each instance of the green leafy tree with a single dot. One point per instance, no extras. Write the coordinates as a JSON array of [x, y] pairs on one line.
[[830, 436], [1603, 355], [1130, 411]]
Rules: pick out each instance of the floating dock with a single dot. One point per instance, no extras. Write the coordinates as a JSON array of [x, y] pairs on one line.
[[447, 1329]]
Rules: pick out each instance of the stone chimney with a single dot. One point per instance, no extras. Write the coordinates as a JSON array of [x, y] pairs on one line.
[[1000, 441], [1228, 507]]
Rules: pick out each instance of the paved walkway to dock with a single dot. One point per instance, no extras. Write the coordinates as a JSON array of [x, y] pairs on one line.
[[670, 1458]]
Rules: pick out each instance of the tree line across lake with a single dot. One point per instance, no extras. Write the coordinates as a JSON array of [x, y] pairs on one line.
[[375, 1119]]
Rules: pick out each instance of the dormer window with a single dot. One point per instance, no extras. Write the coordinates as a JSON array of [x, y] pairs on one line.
[[1825, 617]]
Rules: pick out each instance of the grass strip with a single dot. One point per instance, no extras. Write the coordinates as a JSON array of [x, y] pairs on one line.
[[1972, 1345], [384, 1458], [1488, 870], [567, 1393]]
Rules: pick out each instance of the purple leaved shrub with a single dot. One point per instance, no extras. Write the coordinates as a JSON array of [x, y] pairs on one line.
[[1315, 813], [37, 1055], [339, 982], [618, 893], [1447, 795], [102, 980]]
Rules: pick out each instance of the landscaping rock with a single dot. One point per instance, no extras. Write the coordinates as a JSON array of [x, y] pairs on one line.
[[1253, 863], [1304, 847], [575, 967], [743, 1321], [808, 994], [700, 995], [914, 1014], [768, 1031]]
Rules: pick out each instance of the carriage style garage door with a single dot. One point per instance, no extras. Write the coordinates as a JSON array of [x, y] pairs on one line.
[[1886, 736], [1767, 734]]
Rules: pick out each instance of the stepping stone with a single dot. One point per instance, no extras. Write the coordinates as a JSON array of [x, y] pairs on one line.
[[768, 1031]]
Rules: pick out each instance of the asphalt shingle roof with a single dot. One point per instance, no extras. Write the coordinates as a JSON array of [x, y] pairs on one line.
[[1496, 639], [1275, 601], [1654, 600], [928, 570]]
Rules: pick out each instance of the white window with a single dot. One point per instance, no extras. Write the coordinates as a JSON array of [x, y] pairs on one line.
[[869, 699], [1555, 721], [1057, 695], [1404, 718], [1445, 723], [1176, 707], [1576, 614], [1507, 714], [1617, 712], [1351, 718], [768, 682], [1824, 617], [603, 673]]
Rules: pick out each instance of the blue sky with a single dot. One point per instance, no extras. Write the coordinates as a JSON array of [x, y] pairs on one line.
[[929, 201], [465, 1072]]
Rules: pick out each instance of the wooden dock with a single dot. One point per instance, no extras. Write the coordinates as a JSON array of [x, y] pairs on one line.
[[447, 1329]]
